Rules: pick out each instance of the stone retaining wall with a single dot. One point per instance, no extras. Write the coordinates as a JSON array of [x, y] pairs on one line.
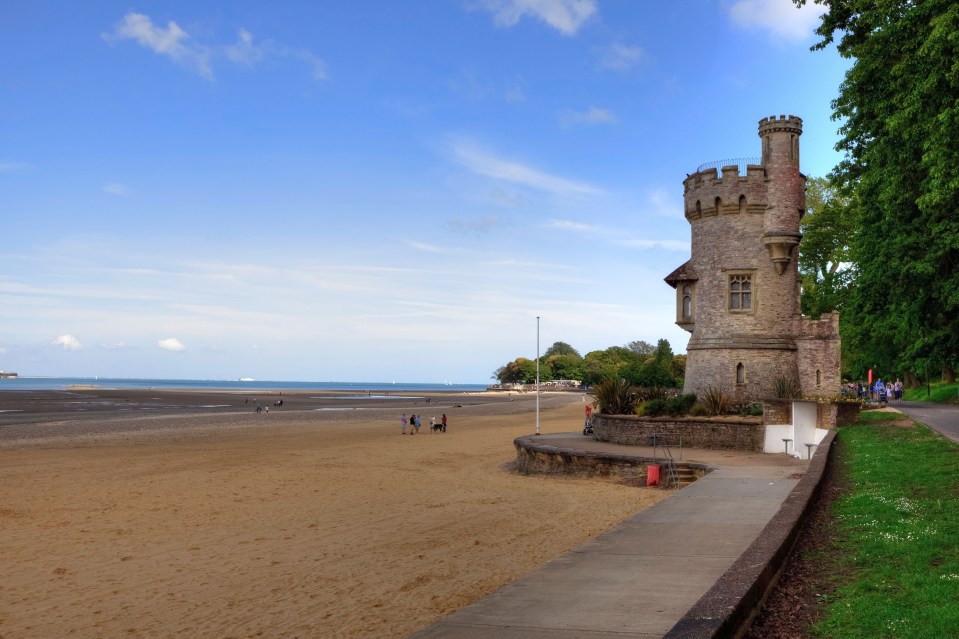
[[712, 434]]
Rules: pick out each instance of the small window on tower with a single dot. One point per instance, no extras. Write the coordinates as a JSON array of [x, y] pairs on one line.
[[687, 302], [740, 373], [740, 293]]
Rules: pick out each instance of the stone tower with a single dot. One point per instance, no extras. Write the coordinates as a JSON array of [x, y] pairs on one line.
[[739, 293]]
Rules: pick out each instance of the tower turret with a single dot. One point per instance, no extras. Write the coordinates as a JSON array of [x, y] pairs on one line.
[[786, 193]]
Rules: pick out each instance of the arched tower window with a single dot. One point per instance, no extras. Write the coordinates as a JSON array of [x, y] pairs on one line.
[[687, 302], [718, 203], [818, 377], [740, 373], [699, 209], [742, 203]]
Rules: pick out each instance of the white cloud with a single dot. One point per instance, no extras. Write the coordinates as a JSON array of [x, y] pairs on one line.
[[171, 344], [316, 64], [781, 18], [483, 163], [68, 343], [566, 16], [593, 115], [244, 51], [669, 245], [429, 248], [476, 226], [620, 57], [171, 42], [115, 188], [569, 225]]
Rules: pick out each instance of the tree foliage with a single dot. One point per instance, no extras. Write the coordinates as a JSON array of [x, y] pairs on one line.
[[900, 137], [824, 254]]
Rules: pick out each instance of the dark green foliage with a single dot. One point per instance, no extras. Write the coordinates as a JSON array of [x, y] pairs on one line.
[[655, 407], [900, 176], [716, 402], [615, 396], [824, 253]]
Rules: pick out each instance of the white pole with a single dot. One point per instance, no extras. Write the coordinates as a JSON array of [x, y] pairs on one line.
[[537, 374]]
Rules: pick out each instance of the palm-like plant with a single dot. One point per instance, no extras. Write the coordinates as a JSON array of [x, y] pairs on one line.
[[615, 396]]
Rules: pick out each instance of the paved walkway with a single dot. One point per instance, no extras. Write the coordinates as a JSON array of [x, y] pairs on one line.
[[639, 578], [942, 418]]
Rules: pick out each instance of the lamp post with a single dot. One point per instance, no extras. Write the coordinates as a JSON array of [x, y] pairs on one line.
[[537, 374]]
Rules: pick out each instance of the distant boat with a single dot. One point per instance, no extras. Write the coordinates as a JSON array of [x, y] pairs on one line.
[[7, 375], [247, 379]]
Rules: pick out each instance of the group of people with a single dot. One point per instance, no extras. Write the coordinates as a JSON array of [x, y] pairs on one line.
[[882, 392], [414, 423]]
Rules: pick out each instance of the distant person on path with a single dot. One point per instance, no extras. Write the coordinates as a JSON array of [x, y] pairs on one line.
[[881, 391], [403, 424], [897, 389]]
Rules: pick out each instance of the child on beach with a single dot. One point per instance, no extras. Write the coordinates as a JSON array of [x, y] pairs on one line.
[[403, 424]]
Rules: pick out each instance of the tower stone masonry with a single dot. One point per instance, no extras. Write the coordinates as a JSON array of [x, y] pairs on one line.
[[739, 292]]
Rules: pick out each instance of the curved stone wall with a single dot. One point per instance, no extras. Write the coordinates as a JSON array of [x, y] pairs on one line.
[[714, 434]]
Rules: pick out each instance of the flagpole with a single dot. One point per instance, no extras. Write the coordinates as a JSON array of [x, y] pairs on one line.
[[537, 374]]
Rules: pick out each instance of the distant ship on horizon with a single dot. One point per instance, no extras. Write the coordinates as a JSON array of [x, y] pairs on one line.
[[7, 375], [247, 379]]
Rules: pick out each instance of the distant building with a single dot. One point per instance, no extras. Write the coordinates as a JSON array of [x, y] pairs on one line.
[[739, 292]]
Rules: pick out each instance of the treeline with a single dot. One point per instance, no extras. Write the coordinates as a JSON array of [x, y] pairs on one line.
[[639, 363], [881, 243]]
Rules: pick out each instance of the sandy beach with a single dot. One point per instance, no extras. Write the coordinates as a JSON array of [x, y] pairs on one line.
[[142, 514]]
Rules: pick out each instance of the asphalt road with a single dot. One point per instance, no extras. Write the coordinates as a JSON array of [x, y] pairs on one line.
[[942, 418]]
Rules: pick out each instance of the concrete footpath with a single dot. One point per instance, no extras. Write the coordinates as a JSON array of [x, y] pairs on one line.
[[640, 578]]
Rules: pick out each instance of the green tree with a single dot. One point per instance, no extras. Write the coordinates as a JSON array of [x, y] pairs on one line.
[[900, 138], [824, 253], [606, 364], [519, 371], [566, 366], [641, 347], [561, 348]]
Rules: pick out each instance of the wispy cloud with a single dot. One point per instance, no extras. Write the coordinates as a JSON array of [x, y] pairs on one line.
[[620, 57], [591, 116], [429, 248], [664, 202], [487, 164], [569, 225], [68, 343], [566, 16], [171, 344], [781, 18], [669, 245], [115, 188], [172, 42], [476, 226], [13, 167], [175, 43]]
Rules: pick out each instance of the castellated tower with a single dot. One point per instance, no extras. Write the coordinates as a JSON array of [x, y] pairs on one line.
[[739, 293]]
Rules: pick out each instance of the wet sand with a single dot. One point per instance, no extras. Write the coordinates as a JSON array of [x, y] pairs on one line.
[[166, 514]]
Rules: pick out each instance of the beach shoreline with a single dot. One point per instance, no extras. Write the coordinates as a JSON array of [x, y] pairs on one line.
[[300, 521]]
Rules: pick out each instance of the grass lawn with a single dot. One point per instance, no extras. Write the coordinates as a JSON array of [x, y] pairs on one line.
[[894, 560], [939, 392]]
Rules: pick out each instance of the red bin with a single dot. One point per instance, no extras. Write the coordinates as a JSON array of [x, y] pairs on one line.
[[652, 475]]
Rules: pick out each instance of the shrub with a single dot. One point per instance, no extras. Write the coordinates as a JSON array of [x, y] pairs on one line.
[[679, 406], [715, 402], [615, 396], [786, 388], [655, 407], [647, 393]]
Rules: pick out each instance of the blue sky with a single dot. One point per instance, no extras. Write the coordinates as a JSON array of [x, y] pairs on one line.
[[370, 190]]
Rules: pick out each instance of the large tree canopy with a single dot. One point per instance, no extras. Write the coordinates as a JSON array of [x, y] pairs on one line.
[[899, 112], [824, 254]]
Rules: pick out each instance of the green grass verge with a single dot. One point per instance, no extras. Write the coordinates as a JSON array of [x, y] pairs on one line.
[[895, 560], [939, 392]]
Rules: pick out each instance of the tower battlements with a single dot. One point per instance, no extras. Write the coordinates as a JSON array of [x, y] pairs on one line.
[[784, 123], [706, 194]]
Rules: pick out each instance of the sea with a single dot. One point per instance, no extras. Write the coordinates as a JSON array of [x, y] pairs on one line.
[[64, 383]]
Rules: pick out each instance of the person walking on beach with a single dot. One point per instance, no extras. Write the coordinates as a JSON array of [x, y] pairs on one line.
[[443, 419], [412, 424], [403, 424], [432, 425], [417, 423]]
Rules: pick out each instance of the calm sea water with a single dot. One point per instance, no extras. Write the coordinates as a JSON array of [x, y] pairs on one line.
[[61, 383]]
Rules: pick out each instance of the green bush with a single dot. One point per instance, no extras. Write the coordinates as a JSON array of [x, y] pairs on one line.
[[655, 407], [615, 396], [679, 406], [716, 402], [786, 388]]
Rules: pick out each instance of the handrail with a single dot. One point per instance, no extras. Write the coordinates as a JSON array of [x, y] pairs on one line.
[[742, 163]]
